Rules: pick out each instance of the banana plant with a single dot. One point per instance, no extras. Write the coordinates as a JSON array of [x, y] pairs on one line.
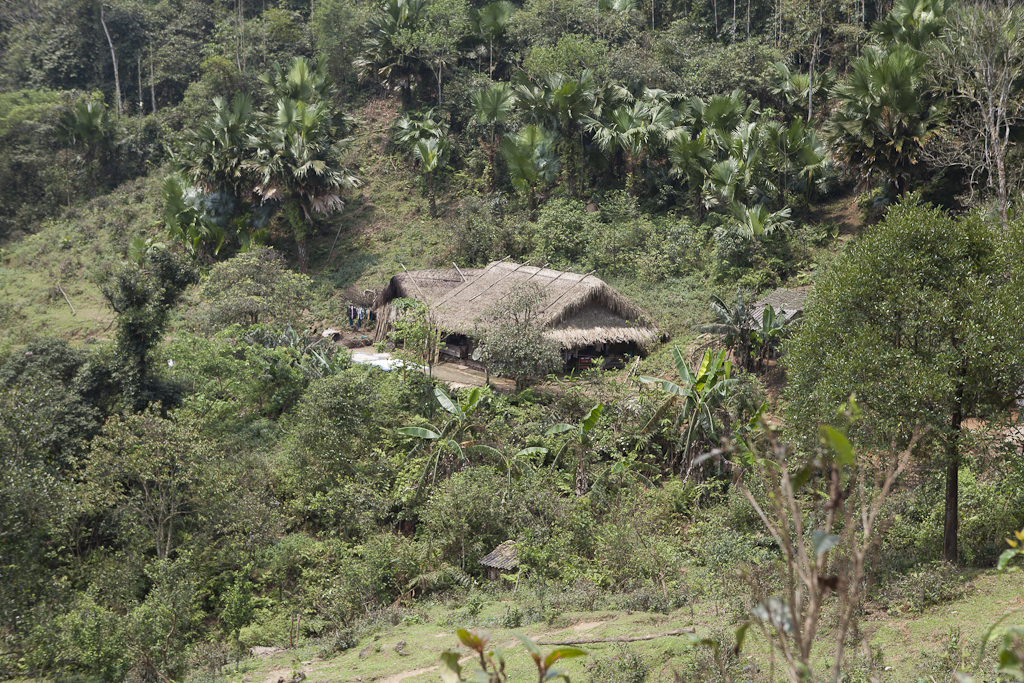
[[454, 438], [579, 439], [516, 463], [703, 392], [767, 334], [734, 323]]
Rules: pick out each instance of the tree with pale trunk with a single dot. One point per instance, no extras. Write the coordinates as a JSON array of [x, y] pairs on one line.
[[980, 61]]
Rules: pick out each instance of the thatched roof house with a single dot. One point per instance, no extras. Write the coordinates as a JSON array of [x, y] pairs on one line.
[[789, 303], [577, 310], [504, 558]]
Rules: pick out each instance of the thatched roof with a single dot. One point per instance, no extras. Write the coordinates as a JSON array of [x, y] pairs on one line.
[[577, 310], [505, 556], [790, 301], [428, 286]]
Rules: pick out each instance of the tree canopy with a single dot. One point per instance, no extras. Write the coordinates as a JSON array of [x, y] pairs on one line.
[[921, 320]]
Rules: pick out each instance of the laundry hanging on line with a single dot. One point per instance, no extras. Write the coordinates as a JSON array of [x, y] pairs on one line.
[[357, 314]]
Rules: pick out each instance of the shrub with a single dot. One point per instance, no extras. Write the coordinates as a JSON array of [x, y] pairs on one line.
[[563, 232], [467, 516], [624, 666], [251, 288], [269, 628], [513, 344], [933, 584]]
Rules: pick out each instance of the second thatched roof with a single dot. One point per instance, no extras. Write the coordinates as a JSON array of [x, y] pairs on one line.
[[788, 303], [577, 310], [505, 556]]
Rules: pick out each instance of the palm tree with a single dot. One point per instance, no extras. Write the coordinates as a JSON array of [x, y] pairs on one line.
[[754, 222], [634, 130], [720, 113], [799, 157], [490, 21], [815, 170], [187, 221], [432, 154], [571, 100], [299, 81], [413, 127], [216, 151], [531, 160], [885, 117], [425, 137], [534, 101], [914, 22], [87, 127], [691, 159], [561, 103], [793, 88], [299, 167], [494, 104], [385, 57]]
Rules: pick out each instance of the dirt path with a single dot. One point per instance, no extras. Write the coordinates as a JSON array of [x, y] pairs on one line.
[[275, 675], [455, 375], [407, 674]]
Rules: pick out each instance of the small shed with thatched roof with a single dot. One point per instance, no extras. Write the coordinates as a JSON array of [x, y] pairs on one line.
[[582, 313], [788, 303], [501, 560]]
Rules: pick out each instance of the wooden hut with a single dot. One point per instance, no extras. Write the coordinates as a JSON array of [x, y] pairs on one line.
[[501, 560], [586, 316]]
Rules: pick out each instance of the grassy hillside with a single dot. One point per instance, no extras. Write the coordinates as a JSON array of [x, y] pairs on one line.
[[907, 643]]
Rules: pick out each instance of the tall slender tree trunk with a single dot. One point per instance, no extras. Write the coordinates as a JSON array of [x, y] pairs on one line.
[[142, 112], [113, 58], [814, 60], [492, 157], [67, 174], [581, 475], [303, 252], [1000, 145], [152, 83], [430, 191], [951, 521]]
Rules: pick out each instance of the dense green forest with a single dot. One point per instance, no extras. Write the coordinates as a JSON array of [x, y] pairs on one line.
[[192, 191]]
